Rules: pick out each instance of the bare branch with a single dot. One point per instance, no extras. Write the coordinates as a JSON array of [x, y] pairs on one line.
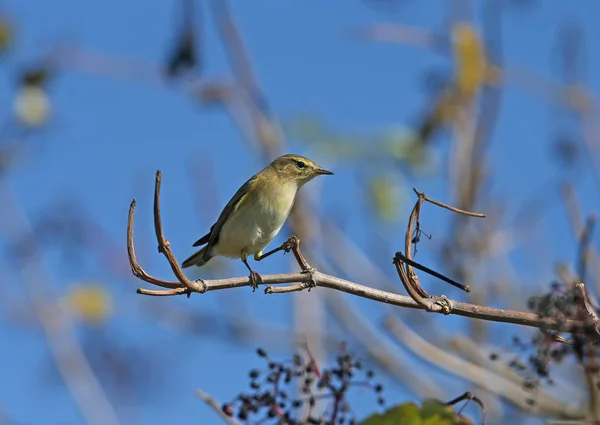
[[587, 304], [404, 262], [313, 278]]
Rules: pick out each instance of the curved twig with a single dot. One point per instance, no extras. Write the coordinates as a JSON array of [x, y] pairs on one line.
[[469, 396]]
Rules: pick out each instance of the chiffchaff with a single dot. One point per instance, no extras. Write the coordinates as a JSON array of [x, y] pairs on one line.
[[256, 213]]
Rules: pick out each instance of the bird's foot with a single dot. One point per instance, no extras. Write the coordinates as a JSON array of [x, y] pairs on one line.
[[255, 280], [309, 270], [446, 304], [290, 244], [203, 286]]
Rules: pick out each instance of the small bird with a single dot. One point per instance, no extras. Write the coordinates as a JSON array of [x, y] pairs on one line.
[[256, 213]]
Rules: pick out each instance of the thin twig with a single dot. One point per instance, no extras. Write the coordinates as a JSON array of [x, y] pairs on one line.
[[587, 305], [403, 258], [448, 207], [407, 275], [469, 396], [285, 289], [574, 215]]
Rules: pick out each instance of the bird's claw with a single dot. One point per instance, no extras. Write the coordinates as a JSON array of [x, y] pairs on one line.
[[446, 304], [255, 280], [309, 270], [203, 286], [290, 244]]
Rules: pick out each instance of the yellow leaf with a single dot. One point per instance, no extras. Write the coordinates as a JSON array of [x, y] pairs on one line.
[[469, 57], [6, 34], [91, 303]]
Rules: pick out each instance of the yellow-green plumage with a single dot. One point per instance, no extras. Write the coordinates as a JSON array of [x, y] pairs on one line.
[[257, 211]]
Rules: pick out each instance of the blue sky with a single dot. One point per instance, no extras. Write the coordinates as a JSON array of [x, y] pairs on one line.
[[108, 137]]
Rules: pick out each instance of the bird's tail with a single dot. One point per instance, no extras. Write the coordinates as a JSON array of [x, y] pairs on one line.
[[197, 259]]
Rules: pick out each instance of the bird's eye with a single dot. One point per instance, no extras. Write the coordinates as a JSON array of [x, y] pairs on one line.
[[300, 164]]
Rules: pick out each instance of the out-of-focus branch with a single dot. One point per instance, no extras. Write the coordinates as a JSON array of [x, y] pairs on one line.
[[481, 357], [211, 402], [544, 403], [79, 378], [380, 347], [591, 257], [242, 329], [5, 418], [238, 56], [399, 34], [107, 65], [577, 97]]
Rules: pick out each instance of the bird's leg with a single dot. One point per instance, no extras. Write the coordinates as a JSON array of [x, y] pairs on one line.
[[255, 278], [287, 246], [292, 244]]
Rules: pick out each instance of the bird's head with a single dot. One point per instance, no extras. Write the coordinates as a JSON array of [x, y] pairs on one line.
[[297, 168]]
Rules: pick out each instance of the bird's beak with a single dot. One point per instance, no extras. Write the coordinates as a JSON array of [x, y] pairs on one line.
[[320, 171]]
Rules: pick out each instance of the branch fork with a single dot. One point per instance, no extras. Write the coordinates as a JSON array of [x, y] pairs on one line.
[[405, 264]]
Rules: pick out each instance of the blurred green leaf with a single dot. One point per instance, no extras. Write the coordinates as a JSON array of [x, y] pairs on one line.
[[314, 131], [384, 197], [308, 128], [431, 413], [397, 143], [405, 414], [403, 145], [434, 412]]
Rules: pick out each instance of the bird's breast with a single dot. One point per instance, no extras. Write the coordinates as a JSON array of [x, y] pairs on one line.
[[275, 208], [256, 222]]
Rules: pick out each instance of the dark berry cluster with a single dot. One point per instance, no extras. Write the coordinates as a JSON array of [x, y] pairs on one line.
[[270, 399], [564, 302]]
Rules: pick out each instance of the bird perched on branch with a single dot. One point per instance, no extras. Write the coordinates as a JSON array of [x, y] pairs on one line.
[[256, 213]]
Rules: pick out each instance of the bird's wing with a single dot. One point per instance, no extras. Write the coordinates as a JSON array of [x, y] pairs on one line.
[[204, 239], [236, 201]]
